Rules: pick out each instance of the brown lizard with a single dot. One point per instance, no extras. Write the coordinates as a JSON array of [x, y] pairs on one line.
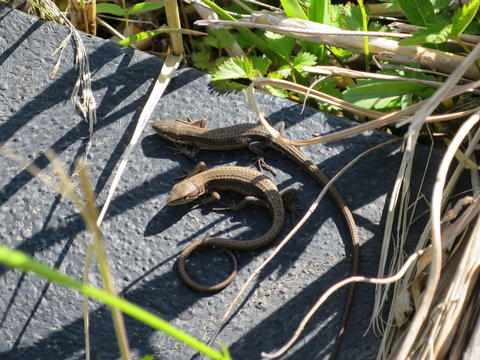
[[256, 187], [256, 138]]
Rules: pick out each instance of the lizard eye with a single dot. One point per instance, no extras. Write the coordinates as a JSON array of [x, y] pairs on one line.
[[183, 193]]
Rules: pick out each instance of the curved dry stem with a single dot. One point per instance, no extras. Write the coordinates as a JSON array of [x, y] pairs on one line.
[[318, 95], [302, 221], [332, 290], [356, 74], [386, 119], [436, 264]]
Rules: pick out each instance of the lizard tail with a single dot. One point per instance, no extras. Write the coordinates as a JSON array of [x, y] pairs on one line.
[[210, 242]]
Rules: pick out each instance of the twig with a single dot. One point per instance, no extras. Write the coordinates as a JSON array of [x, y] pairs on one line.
[[434, 276], [287, 238], [385, 119], [276, 28], [168, 70], [332, 290], [435, 270], [355, 74]]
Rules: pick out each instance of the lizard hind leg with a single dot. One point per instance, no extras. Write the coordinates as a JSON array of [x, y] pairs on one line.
[[289, 197], [258, 148]]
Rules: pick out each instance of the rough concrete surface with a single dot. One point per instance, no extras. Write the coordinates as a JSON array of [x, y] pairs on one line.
[[143, 237]]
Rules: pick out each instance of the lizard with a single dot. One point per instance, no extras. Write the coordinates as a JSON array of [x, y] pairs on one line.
[[256, 187], [256, 137]]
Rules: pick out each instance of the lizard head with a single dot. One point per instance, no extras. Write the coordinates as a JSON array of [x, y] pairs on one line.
[[178, 130], [166, 128], [184, 192], [169, 128]]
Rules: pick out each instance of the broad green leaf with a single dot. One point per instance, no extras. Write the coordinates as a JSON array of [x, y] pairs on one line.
[[234, 68], [341, 53], [406, 100], [319, 11], [463, 16], [201, 59], [283, 71], [293, 9], [353, 17], [107, 8], [304, 59], [219, 38], [382, 95], [261, 63], [282, 43], [418, 12], [439, 5], [277, 91], [328, 86], [251, 37], [144, 7], [228, 85], [410, 73], [337, 16], [435, 33]]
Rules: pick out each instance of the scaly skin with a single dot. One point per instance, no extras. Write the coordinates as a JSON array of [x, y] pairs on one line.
[[234, 178], [246, 135]]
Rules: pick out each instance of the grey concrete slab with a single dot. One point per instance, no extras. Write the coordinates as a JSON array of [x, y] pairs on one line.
[[143, 237]]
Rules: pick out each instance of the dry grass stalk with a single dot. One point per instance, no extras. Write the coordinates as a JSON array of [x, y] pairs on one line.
[[83, 15], [64, 185], [169, 69], [173, 20], [384, 49], [82, 95], [383, 120], [403, 182]]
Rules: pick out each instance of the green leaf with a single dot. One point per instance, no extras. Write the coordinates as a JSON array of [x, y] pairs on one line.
[[337, 16], [435, 33], [107, 8], [410, 73], [277, 91], [147, 357], [283, 71], [261, 63], [439, 5], [201, 59], [282, 43], [341, 53], [139, 37], [328, 86], [353, 17], [144, 7], [418, 12], [383, 95], [463, 17], [319, 11], [228, 85], [293, 9], [304, 59], [249, 35], [219, 38], [146, 34], [234, 68]]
